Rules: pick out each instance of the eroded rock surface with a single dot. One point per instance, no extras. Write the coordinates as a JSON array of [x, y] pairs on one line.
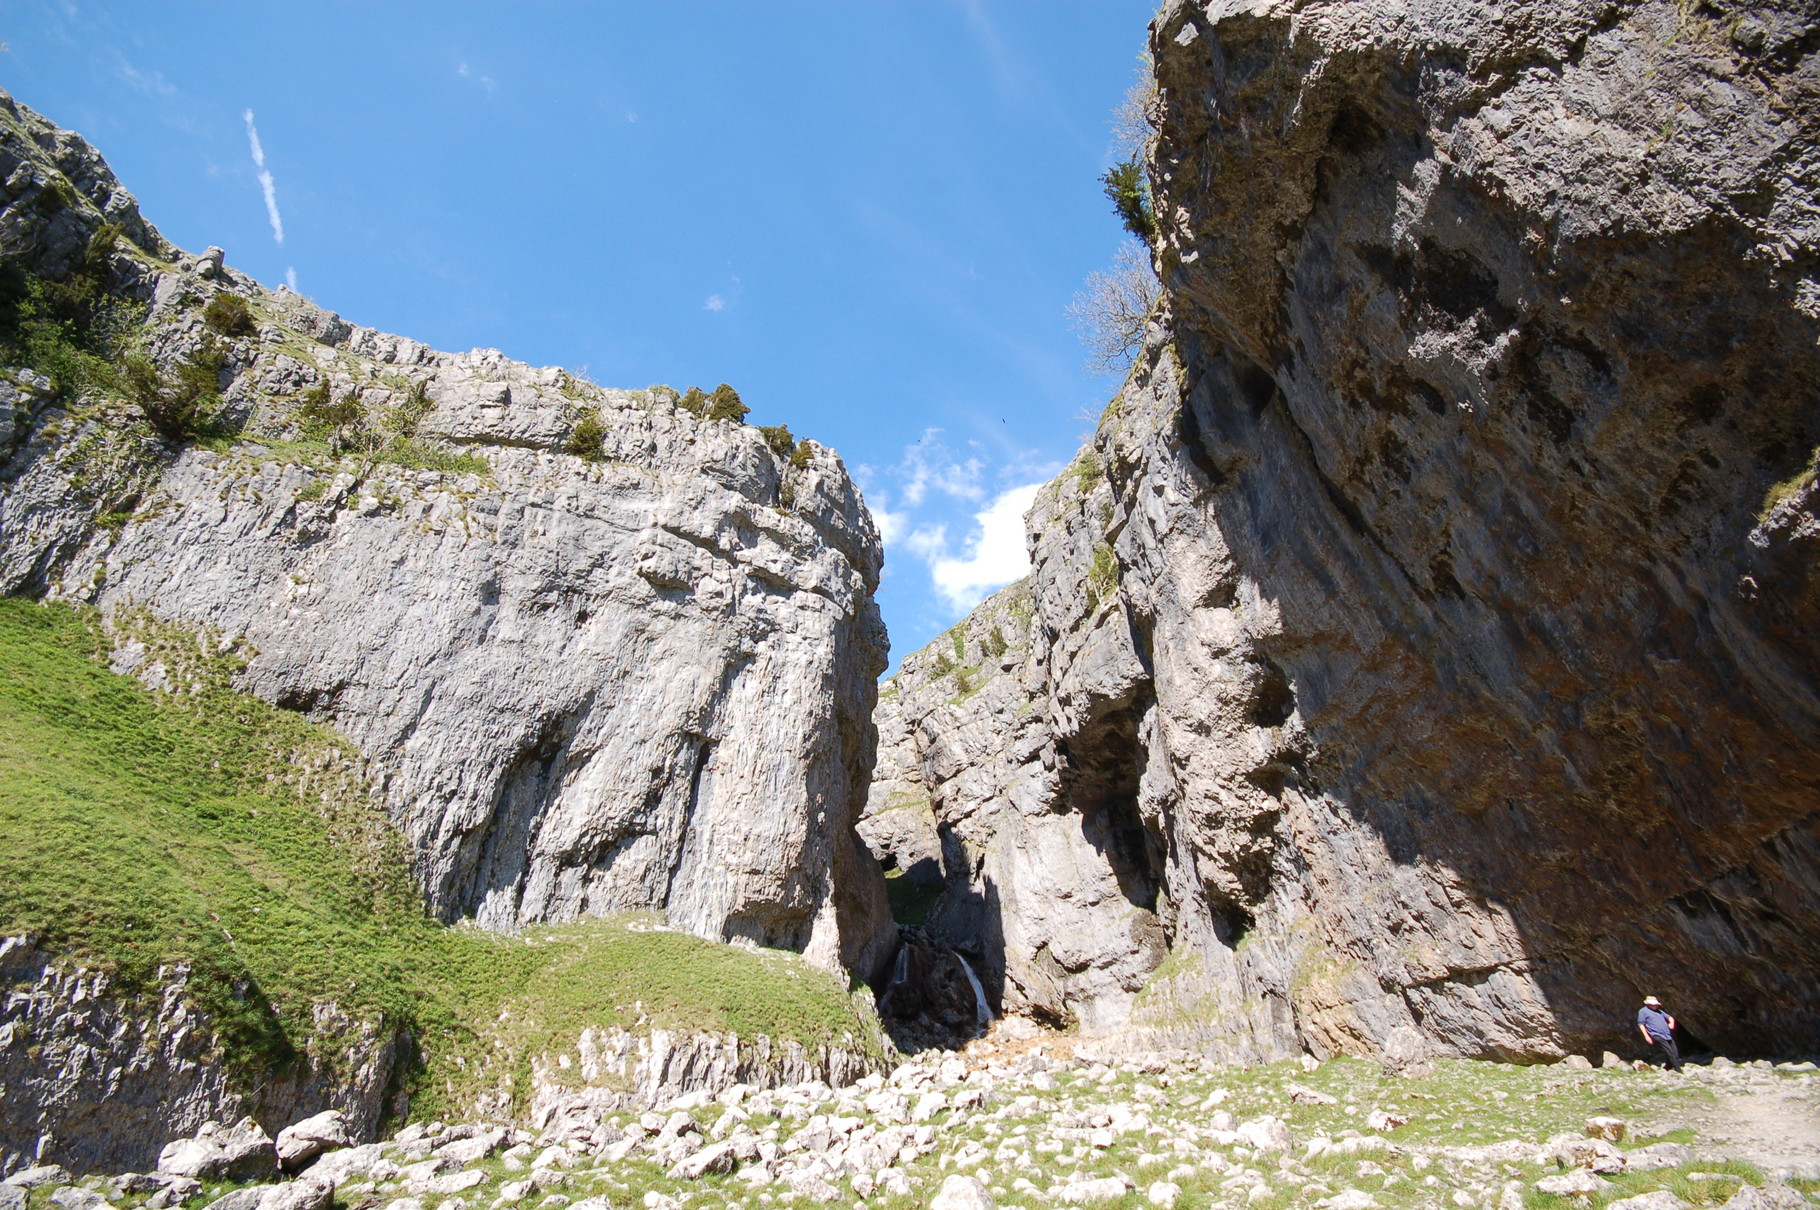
[[95, 1079], [1437, 599], [633, 675]]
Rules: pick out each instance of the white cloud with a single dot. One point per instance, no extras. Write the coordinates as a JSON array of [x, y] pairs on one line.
[[265, 180], [462, 70], [151, 83], [290, 278], [892, 527], [995, 553], [714, 303], [929, 463]]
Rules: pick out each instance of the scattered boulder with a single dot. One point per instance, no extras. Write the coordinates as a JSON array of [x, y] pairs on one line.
[[1266, 1133], [1100, 1189], [811, 1186], [71, 1197], [1611, 1129], [1578, 1183], [717, 1158], [300, 1194], [1406, 1054], [927, 1106], [1657, 1156], [1577, 1063], [301, 1142], [249, 1198], [963, 1193], [1348, 1199], [242, 1152], [472, 1147], [1163, 1193], [43, 1174], [177, 1191], [1661, 1199], [12, 1197], [1768, 1197], [1611, 1062], [1383, 1120], [362, 1161], [1573, 1151], [1303, 1095]]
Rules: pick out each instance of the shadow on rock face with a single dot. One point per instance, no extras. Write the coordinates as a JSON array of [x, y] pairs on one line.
[[931, 1000], [1529, 502]]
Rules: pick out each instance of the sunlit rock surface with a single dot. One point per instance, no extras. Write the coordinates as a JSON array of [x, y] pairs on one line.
[[1428, 632]]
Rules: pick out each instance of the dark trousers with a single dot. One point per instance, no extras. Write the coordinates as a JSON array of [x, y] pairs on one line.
[[1671, 1054]]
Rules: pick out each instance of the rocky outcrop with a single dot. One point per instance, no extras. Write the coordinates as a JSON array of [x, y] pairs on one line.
[[98, 1081], [613, 1070], [1046, 876], [1434, 609], [607, 654]]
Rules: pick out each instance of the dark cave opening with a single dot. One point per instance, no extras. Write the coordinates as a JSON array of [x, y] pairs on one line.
[[1100, 770]]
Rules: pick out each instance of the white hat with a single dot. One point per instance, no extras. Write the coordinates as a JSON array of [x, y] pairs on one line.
[[1652, 1000]]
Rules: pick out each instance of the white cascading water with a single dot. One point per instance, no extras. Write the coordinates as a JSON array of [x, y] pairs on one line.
[[982, 1010]]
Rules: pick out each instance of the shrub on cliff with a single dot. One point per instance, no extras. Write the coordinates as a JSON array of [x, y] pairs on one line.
[[724, 404], [324, 416], [587, 437], [778, 437], [1110, 314], [73, 330], [229, 315], [1129, 193], [183, 403]]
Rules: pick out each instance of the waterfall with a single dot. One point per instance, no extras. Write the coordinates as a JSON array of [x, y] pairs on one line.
[[982, 1010]]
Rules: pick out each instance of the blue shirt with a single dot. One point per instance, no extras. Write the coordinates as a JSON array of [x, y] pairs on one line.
[[1655, 1021]]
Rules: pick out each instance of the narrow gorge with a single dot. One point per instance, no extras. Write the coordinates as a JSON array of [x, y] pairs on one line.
[[1417, 663], [1425, 640]]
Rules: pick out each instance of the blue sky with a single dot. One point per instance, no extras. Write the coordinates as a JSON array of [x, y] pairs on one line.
[[868, 216]]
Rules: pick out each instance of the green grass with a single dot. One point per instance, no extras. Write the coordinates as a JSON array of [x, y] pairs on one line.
[[626, 972], [1798, 482], [204, 826]]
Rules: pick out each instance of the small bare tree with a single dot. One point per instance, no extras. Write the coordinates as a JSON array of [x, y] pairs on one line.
[[1131, 128], [1110, 313]]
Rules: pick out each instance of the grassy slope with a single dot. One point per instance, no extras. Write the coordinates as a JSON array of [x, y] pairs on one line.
[[205, 826]]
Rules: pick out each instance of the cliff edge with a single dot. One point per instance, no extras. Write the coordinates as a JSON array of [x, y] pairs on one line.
[[1426, 639]]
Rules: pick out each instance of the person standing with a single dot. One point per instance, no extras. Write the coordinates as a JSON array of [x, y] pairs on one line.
[[1658, 1030]]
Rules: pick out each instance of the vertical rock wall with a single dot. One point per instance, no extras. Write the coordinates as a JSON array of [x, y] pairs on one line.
[[1439, 591], [634, 676]]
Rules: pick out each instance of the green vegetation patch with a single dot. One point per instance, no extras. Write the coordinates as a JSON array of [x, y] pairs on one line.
[[630, 972], [204, 826], [73, 331], [1796, 483]]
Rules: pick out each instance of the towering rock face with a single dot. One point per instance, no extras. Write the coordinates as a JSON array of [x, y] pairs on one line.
[[1440, 591], [609, 655]]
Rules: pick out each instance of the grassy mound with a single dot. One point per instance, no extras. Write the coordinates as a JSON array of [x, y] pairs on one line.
[[200, 825], [628, 972]]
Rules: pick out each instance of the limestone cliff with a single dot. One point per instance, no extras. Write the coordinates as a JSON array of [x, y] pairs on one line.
[[607, 654], [1427, 636]]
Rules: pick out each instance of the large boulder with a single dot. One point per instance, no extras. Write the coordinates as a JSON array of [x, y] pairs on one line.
[[241, 1152], [301, 1142]]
